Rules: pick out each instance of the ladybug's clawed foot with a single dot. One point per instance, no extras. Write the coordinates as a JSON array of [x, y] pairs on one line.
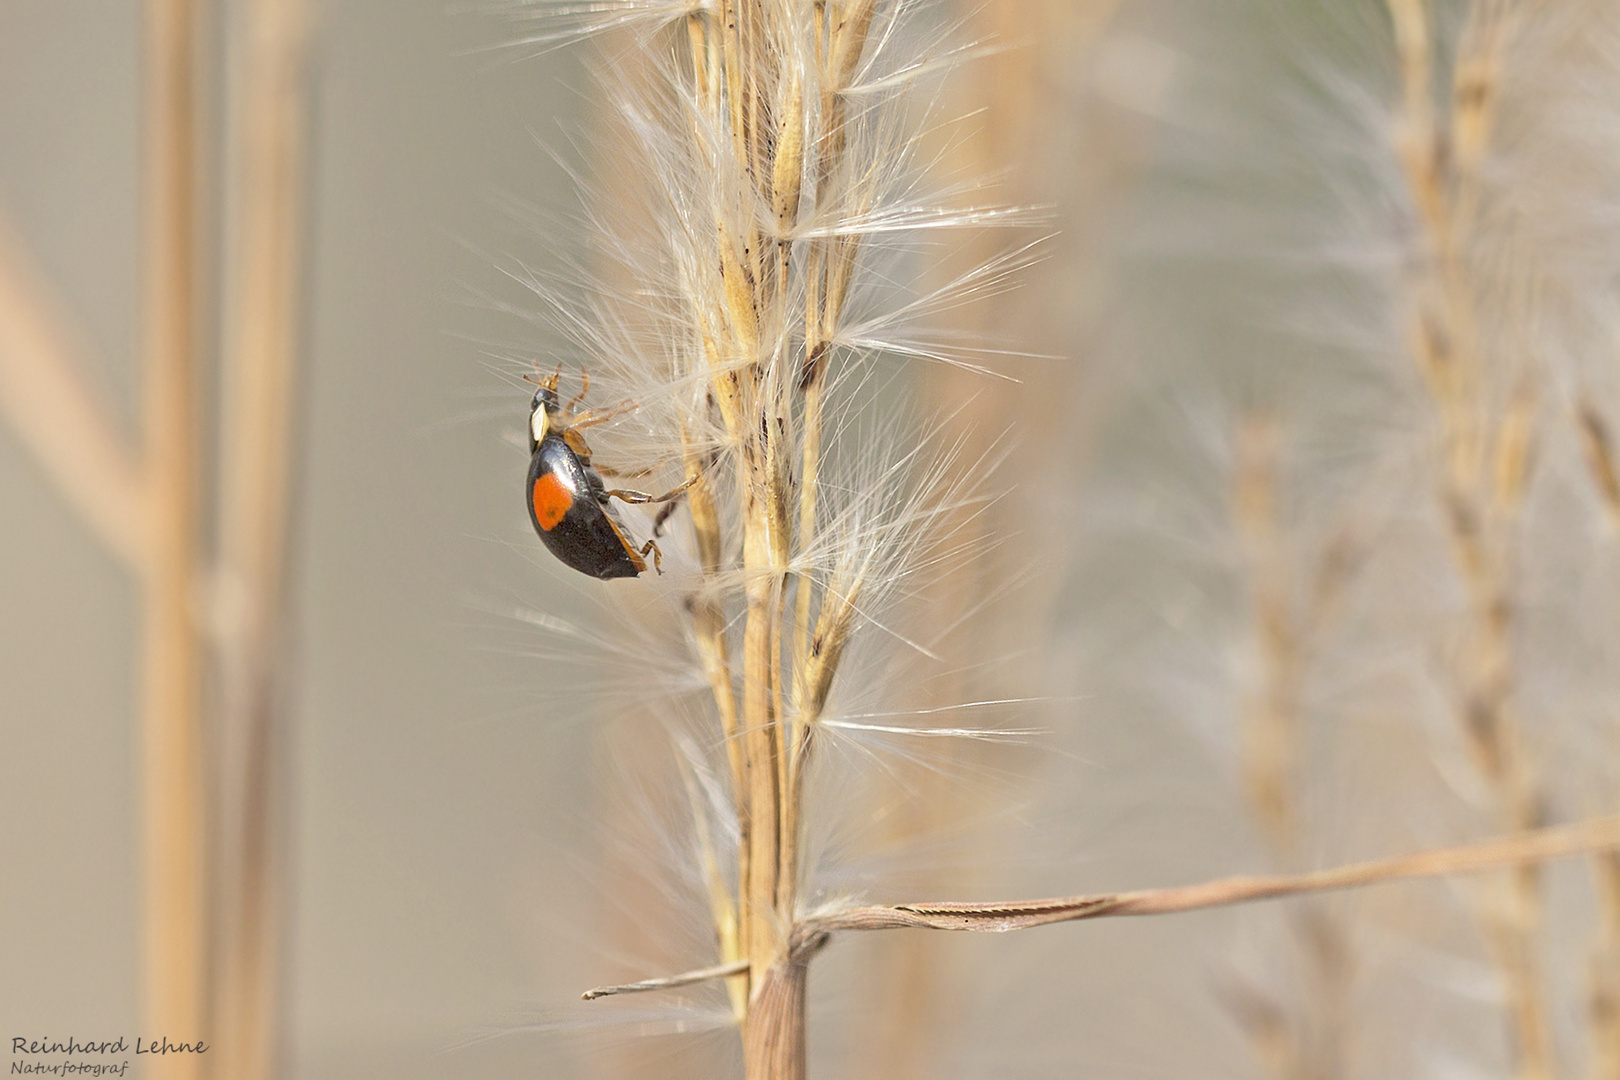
[[658, 556]]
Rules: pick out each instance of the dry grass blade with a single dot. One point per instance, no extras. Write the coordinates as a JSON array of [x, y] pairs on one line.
[[670, 982], [811, 933], [1585, 838]]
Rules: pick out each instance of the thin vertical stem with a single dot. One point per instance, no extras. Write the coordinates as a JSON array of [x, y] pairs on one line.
[[1604, 1001], [774, 1040], [260, 371], [172, 790], [1604, 991]]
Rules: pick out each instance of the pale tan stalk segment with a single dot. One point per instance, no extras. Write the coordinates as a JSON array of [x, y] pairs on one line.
[[774, 1037], [840, 44], [172, 787], [260, 373]]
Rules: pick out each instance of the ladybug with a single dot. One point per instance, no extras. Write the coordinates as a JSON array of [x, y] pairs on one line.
[[568, 502]]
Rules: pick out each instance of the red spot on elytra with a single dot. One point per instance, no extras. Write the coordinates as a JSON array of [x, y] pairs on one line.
[[551, 501]]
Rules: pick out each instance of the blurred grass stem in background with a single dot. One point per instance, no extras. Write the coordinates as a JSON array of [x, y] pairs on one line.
[[259, 423], [1487, 420], [173, 783]]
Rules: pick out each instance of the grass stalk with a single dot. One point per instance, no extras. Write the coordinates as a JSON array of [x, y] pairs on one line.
[[753, 123], [174, 795], [750, 87], [260, 374]]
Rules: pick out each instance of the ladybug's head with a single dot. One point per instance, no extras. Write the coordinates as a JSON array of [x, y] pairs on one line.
[[543, 411]]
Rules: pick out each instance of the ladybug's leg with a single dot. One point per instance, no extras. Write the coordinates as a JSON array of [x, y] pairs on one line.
[[576, 443], [584, 388], [592, 417], [663, 516], [632, 473], [639, 497], [658, 556]]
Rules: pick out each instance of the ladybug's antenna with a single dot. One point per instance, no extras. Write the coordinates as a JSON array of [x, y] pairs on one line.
[[584, 388]]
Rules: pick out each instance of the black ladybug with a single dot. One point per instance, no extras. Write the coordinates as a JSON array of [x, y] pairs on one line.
[[568, 503]]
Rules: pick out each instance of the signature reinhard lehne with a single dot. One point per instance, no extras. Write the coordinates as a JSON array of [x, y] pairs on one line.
[[107, 1046]]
